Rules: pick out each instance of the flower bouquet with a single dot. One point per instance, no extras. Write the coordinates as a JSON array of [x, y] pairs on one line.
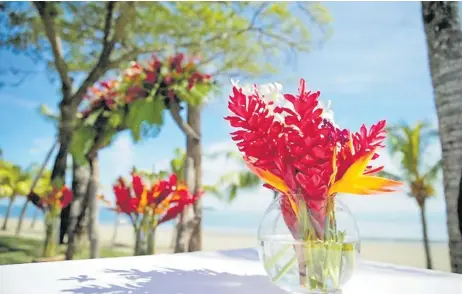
[[150, 206], [309, 240]]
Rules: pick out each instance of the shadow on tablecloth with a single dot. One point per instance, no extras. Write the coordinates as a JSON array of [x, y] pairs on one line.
[[174, 281]]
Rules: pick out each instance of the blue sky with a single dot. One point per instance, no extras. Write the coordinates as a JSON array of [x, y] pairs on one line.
[[373, 67]]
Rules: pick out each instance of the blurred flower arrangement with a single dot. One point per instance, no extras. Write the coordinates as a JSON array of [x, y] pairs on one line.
[[136, 99], [292, 143], [149, 206], [169, 79], [51, 203]]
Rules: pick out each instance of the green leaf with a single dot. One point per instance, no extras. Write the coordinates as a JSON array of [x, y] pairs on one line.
[[232, 193], [23, 187], [6, 191], [92, 117], [48, 114], [214, 190], [81, 143], [147, 110], [116, 119]]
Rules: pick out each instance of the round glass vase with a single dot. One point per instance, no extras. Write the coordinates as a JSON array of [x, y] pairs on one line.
[[306, 250]]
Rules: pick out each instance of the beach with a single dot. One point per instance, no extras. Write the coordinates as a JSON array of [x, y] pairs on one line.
[[408, 253]]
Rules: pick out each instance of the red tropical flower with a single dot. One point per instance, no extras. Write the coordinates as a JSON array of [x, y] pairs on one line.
[[124, 201], [57, 198], [164, 200], [297, 151]]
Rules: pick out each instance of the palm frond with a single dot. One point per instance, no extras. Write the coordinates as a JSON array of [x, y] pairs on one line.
[[389, 175], [432, 173], [214, 190]]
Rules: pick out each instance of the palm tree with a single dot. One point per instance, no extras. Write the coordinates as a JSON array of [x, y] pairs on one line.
[[444, 42], [234, 181], [411, 143], [40, 187], [13, 181]]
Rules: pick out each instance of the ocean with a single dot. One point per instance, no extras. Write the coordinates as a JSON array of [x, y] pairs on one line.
[[402, 227]]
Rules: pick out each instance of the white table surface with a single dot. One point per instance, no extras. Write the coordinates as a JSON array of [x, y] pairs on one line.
[[225, 272]]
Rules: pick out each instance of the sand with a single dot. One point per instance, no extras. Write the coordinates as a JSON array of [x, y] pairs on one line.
[[401, 253]]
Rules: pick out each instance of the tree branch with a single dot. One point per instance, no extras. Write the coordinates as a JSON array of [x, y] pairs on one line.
[[47, 17], [185, 127], [108, 22], [108, 45]]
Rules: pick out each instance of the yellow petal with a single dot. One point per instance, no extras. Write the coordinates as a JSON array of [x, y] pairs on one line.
[[269, 178], [334, 168], [143, 201], [275, 181], [355, 182]]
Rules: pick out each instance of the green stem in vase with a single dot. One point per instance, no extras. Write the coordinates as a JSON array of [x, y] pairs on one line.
[[285, 268], [270, 263]]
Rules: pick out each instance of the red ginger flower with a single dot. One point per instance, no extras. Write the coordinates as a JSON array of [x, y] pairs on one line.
[[164, 200], [124, 201], [297, 151]]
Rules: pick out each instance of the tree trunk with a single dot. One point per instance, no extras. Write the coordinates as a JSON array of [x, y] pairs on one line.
[[183, 231], [8, 211], [423, 219], [34, 218], [80, 179], [194, 151], [444, 43], [37, 178], [92, 192], [58, 176], [21, 217]]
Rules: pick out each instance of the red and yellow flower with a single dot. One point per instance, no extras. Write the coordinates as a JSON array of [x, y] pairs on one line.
[[56, 199], [137, 81], [162, 201], [297, 150]]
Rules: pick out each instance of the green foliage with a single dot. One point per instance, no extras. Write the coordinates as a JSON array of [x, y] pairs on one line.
[[177, 163], [13, 180], [81, 143], [146, 110], [238, 180], [410, 143], [234, 181], [46, 112], [234, 36], [14, 250]]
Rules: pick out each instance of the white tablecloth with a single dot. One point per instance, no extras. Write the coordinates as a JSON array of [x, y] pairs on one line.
[[226, 272]]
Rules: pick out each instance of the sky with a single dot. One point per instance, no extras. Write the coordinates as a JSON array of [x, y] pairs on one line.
[[373, 67]]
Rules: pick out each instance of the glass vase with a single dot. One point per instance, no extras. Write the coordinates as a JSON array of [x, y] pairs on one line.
[[308, 247]]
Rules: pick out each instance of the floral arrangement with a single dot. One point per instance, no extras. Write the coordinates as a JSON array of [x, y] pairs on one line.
[[135, 100], [52, 203], [292, 143], [169, 78], [150, 206]]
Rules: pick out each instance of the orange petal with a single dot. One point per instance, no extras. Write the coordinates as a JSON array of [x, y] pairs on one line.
[[143, 201], [355, 182], [268, 178], [334, 167], [273, 180]]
